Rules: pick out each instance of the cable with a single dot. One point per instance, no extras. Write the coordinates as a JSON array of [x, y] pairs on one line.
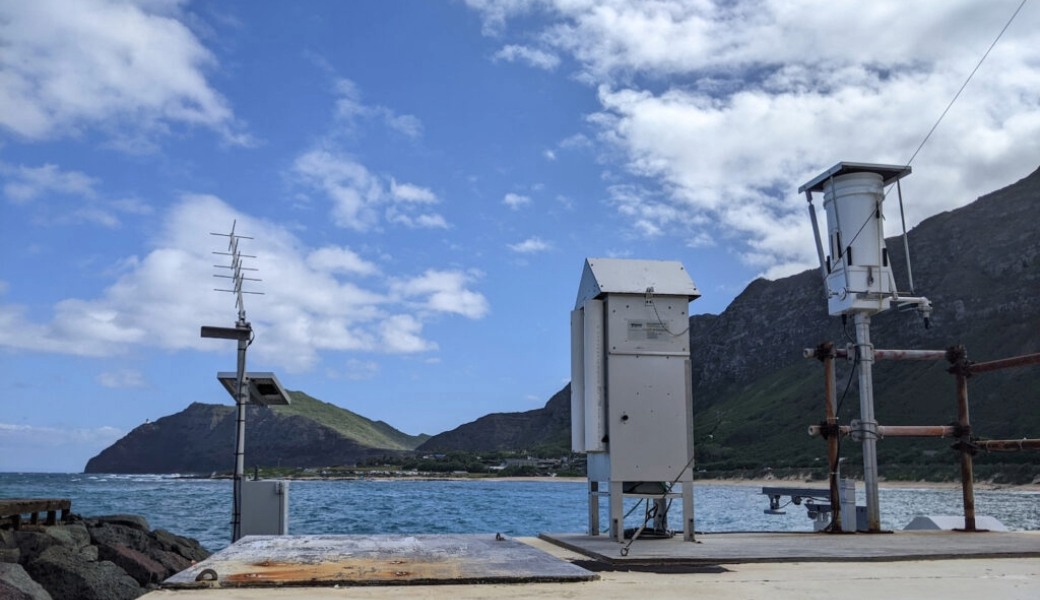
[[965, 84], [653, 304], [949, 106]]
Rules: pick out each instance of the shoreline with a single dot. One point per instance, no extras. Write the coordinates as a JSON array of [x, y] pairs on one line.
[[759, 482]]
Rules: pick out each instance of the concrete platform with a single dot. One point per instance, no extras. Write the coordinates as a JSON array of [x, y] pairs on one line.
[[1005, 578], [731, 548], [333, 560]]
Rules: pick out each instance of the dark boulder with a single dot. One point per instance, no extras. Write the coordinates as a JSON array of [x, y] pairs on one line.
[[15, 584], [69, 574]]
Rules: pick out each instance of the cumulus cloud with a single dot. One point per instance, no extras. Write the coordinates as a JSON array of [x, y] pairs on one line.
[[350, 110], [516, 201], [129, 69], [444, 291], [24, 184], [64, 197], [361, 200], [312, 302], [531, 245], [722, 109], [337, 259], [533, 57]]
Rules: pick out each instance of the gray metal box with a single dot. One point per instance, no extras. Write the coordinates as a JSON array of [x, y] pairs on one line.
[[265, 507]]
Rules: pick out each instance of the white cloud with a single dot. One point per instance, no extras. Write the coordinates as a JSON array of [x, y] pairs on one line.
[[350, 110], [722, 109], [403, 334], [28, 183], [336, 259], [125, 378], [160, 299], [533, 57], [549, 154], [357, 195], [444, 291], [129, 69], [411, 193], [530, 246], [515, 201]]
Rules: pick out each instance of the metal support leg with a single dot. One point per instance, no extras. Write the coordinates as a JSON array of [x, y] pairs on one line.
[[865, 356], [593, 508], [617, 511], [687, 511]]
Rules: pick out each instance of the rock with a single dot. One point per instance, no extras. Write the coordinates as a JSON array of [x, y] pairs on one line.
[[112, 534], [186, 547], [32, 543], [15, 584], [10, 555], [143, 569], [68, 575], [173, 562], [133, 521]]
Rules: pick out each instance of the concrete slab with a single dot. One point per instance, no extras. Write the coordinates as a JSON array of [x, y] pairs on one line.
[[332, 560], [730, 548], [1007, 579]]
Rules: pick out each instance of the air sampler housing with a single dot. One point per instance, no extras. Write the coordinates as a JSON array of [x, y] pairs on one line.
[[631, 392], [857, 270]]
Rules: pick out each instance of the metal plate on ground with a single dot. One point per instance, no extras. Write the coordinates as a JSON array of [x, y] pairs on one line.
[[731, 548], [316, 560]]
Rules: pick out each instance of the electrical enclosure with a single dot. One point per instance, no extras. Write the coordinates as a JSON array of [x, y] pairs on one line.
[[631, 395], [265, 507]]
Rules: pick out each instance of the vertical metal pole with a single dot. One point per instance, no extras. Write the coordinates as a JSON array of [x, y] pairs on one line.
[[593, 507], [832, 440], [617, 511], [967, 475], [816, 237], [687, 508], [865, 357], [240, 439]]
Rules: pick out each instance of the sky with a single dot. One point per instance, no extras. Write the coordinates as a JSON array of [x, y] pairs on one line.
[[422, 182]]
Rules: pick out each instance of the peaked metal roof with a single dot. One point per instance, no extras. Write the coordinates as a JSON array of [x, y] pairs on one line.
[[626, 276]]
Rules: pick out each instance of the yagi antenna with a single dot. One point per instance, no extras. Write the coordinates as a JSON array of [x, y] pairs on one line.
[[237, 269]]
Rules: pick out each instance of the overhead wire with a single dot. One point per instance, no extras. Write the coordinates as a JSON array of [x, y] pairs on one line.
[[947, 109]]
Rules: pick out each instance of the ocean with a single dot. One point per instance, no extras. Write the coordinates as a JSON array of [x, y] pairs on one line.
[[201, 508]]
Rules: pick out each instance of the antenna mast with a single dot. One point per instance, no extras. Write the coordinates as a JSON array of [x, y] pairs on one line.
[[237, 277], [242, 332]]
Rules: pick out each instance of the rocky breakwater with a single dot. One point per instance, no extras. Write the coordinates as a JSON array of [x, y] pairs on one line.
[[112, 558]]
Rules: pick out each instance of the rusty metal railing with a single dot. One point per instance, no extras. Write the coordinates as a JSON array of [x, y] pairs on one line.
[[966, 444]]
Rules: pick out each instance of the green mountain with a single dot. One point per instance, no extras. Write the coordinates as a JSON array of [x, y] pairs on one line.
[[201, 439], [754, 394]]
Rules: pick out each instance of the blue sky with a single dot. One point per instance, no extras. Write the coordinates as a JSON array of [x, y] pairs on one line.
[[424, 179]]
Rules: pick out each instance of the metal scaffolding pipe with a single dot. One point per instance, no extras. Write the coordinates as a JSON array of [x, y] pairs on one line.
[[889, 354], [865, 358], [1004, 363], [827, 350], [967, 474], [897, 430], [1008, 445]]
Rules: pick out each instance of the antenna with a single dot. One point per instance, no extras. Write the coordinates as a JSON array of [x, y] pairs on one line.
[[236, 268]]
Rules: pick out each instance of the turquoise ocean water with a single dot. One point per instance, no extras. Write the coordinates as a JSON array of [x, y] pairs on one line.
[[201, 508]]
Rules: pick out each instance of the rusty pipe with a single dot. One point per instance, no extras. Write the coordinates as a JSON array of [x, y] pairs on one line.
[[1008, 445], [967, 473], [1004, 363], [827, 350], [897, 430], [888, 354]]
